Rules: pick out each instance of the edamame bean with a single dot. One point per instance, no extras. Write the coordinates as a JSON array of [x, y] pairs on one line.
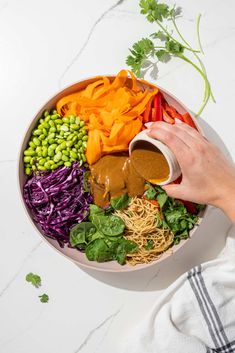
[[67, 164], [72, 119], [57, 157], [46, 113], [31, 144], [70, 137], [66, 119], [44, 151], [74, 126], [77, 120], [52, 129], [59, 121], [42, 161], [29, 153], [27, 159], [54, 166], [83, 158], [65, 158], [65, 152], [42, 137], [45, 143], [51, 152], [81, 124], [73, 154], [27, 171], [36, 141], [41, 167], [69, 143], [64, 128]]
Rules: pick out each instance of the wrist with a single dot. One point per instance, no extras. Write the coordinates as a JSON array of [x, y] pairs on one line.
[[226, 203]]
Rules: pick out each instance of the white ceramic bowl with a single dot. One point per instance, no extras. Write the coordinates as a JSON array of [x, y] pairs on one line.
[[73, 254]]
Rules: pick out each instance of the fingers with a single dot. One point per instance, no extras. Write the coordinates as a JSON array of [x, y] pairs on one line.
[[175, 191]]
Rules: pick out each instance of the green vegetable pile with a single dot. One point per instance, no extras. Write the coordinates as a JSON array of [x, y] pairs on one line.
[[174, 214], [102, 237], [56, 141], [166, 43]]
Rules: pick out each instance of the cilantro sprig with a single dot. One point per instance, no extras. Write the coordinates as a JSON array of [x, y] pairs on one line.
[[166, 43], [36, 281]]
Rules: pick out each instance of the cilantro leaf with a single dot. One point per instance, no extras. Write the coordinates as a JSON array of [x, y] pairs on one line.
[[44, 298], [159, 35], [174, 47], [140, 52], [34, 279], [150, 193], [149, 244], [154, 11], [162, 55], [162, 198]]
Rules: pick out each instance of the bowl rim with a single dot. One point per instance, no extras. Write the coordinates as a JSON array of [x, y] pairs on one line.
[[91, 265]]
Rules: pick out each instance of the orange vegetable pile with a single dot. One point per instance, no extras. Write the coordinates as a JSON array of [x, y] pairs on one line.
[[111, 110]]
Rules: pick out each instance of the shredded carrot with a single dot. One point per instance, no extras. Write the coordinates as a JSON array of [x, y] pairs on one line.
[[111, 110]]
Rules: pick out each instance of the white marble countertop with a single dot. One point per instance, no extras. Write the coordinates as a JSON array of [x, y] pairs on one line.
[[46, 45]]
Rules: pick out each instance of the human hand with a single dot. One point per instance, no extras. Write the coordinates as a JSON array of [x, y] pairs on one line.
[[207, 176]]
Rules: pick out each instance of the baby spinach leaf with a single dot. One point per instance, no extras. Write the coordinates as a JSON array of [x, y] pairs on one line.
[[120, 202], [125, 247], [95, 211], [81, 233], [109, 225], [99, 251]]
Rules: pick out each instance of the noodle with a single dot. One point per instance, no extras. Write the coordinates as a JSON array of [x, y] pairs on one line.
[[142, 227]]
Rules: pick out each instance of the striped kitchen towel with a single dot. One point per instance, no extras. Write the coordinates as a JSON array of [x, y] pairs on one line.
[[196, 314]]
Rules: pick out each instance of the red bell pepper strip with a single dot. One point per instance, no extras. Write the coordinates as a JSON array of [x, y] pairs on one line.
[[154, 114], [190, 206], [148, 111], [173, 112], [157, 104], [188, 120], [167, 118]]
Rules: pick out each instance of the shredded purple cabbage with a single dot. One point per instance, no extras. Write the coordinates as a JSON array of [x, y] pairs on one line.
[[57, 200]]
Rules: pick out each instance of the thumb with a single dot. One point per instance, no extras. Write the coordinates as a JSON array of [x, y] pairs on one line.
[[174, 190]]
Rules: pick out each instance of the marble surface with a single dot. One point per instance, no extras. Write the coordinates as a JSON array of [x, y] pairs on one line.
[[46, 45]]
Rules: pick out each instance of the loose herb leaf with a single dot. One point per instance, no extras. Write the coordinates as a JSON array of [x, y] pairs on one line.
[[162, 55], [44, 298], [154, 11], [140, 52], [162, 198], [149, 245], [34, 279], [159, 35], [121, 202], [150, 193], [174, 47]]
